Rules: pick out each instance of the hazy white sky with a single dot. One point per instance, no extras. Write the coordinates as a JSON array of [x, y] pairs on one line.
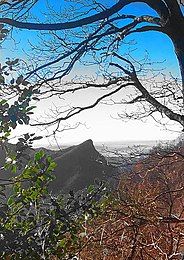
[[100, 125]]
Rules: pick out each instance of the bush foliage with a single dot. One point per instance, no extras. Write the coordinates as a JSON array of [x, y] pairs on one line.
[[33, 223]]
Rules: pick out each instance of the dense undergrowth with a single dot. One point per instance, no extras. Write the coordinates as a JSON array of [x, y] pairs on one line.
[[36, 225], [145, 218]]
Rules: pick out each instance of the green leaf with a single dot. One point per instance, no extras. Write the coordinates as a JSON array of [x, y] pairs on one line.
[[14, 168], [25, 83], [11, 200], [52, 166], [30, 108], [35, 98], [2, 79], [62, 242], [37, 138], [15, 61], [19, 80], [3, 101], [90, 189], [39, 155]]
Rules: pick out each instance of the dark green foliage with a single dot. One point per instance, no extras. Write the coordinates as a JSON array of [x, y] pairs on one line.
[[3, 34], [33, 223], [21, 91]]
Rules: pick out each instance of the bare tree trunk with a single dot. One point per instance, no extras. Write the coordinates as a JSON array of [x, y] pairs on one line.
[[179, 50], [175, 30]]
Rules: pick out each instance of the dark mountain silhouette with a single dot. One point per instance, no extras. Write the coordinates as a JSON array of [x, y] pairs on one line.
[[77, 167]]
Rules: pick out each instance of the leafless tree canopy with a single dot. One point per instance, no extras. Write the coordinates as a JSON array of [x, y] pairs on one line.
[[93, 33]]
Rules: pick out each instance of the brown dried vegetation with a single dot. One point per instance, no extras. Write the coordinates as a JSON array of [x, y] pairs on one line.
[[145, 217]]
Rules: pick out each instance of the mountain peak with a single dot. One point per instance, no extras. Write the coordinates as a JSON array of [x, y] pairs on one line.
[[77, 167]]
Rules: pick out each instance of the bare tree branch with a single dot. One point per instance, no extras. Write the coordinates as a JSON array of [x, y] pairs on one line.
[[158, 5]]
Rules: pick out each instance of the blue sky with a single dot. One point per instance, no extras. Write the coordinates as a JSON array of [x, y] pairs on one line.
[[156, 44], [99, 122]]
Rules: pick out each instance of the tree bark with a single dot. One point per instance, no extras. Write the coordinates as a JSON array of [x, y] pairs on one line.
[[179, 50], [157, 5], [175, 30]]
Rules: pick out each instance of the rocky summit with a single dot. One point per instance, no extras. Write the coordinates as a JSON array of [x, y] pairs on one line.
[[77, 167]]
